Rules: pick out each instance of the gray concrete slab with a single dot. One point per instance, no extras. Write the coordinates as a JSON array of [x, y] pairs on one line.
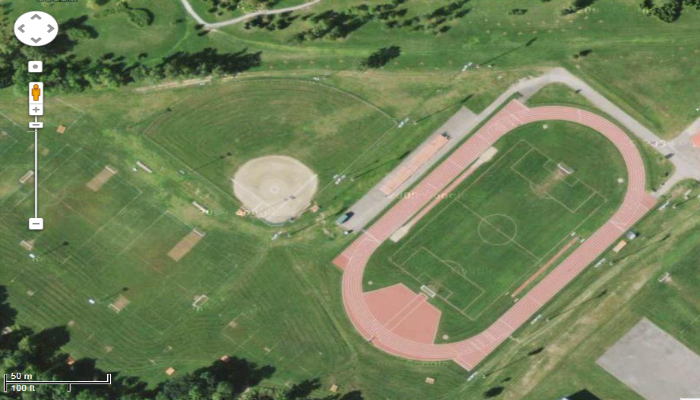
[[375, 201], [654, 364]]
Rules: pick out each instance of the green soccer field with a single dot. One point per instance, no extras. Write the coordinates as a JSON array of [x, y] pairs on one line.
[[510, 218]]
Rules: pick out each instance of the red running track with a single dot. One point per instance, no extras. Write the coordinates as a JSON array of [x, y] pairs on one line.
[[470, 352]]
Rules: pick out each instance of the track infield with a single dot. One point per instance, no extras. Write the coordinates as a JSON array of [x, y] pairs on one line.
[[470, 352]]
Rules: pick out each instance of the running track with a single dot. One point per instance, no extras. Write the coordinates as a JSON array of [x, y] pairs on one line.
[[470, 352]]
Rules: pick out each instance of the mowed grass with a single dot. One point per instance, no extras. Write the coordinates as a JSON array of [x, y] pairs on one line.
[[503, 223], [330, 131], [274, 303], [657, 167]]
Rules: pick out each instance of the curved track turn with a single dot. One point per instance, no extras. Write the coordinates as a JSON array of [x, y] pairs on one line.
[[470, 352]]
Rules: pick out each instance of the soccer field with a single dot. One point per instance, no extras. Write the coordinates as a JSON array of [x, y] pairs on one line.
[[485, 243]]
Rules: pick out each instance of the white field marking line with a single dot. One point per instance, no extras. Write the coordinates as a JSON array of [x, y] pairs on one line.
[[445, 262], [227, 273], [15, 141], [419, 281], [139, 192], [71, 106], [370, 148], [414, 308], [189, 167], [20, 201], [449, 292], [104, 225], [212, 248], [593, 212], [370, 236], [464, 310], [260, 203], [374, 146], [488, 171], [59, 200], [294, 194], [10, 119], [592, 191], [75, 122], [141, 234], [514, 241], [405, 307]]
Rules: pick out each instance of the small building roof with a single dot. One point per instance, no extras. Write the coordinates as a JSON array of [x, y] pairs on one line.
[[696, 140], [620, 246]]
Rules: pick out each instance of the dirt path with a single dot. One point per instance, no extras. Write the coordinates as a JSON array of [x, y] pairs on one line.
[[233, 21]]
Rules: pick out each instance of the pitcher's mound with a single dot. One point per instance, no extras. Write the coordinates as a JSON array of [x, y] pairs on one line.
[[275, 188]]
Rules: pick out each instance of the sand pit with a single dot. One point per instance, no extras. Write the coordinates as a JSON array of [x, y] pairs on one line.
[[119, 304], [186, 244], [275, 188], [100, 179]]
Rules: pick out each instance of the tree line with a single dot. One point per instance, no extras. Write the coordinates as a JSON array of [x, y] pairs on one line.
[[65, 71]]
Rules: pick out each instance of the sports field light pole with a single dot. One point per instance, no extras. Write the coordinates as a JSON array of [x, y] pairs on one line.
[[62, 245], [218, 158], [120, 291]]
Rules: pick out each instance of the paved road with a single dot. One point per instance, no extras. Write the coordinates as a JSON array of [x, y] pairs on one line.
[[470, 352], [375, 201], [685, 157], [681, 153], [207, 25]]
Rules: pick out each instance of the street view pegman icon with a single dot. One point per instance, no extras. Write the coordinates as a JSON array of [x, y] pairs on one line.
[[36, 28], [36, 92]]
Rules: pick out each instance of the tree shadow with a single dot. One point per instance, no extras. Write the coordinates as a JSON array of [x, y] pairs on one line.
[[354, 395], [8, 315], [303, 389], [206, 62], [382, 57], [46, 347], [238, 372]]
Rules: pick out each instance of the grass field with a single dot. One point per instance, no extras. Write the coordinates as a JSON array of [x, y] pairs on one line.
[[310, 122], [657, 167], [506, 221], [279, 303], [636, 60], [274, 303], [602, 305]]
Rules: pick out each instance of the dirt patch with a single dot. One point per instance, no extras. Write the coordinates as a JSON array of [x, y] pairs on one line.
[[119, 304], [185, 245], [543, 188], [100, 179], [275, 188]]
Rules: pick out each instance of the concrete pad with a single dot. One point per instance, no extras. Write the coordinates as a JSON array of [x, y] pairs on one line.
[[654, 364]]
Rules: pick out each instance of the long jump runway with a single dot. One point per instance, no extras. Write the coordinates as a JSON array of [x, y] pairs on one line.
[[470, 352]]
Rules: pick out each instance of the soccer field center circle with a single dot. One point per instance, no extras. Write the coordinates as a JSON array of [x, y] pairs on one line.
[[468, 353], [497, 229], [275, 188]]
